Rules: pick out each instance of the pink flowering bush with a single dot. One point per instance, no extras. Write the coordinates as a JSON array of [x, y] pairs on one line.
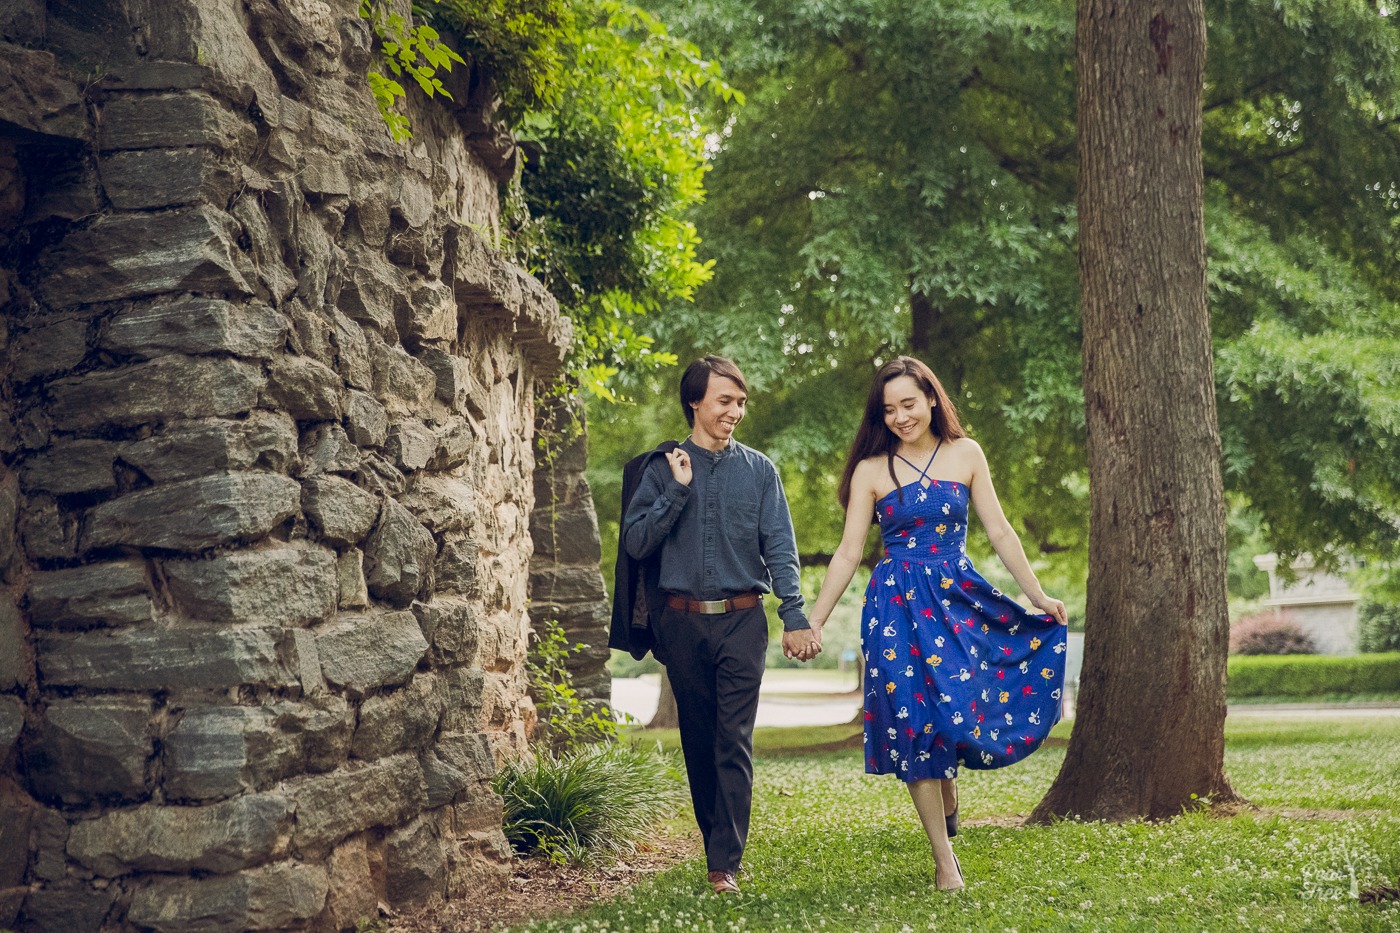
[[1270, 632]]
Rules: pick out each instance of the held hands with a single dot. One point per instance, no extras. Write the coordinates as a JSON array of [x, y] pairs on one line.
[[803, 644], [1052, 606], [679, 461]]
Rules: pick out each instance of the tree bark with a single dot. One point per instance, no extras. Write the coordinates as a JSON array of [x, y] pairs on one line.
[[936, 338], [1148, 737], [666, 715]]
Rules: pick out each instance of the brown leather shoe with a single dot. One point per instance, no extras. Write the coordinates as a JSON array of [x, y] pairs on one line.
[[722, 882]]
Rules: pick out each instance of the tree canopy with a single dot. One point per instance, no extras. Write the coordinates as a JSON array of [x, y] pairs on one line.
[[902, 179]]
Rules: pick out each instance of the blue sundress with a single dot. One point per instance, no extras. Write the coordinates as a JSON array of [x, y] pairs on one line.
[[956, 672]]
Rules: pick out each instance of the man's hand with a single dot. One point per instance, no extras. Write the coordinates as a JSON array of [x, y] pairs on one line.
[[802, 644], [680, 465]]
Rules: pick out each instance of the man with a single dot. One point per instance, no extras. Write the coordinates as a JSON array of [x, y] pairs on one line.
[[716, 512]]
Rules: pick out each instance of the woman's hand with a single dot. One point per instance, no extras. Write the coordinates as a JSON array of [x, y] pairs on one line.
[[1052, 607]]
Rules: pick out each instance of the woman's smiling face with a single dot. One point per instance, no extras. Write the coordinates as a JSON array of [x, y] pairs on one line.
[[908, 411]]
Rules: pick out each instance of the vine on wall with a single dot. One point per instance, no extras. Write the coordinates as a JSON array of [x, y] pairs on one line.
[[603, 102], [405, 49]]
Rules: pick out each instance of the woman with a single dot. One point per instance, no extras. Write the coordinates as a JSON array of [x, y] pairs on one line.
[[956, 672]]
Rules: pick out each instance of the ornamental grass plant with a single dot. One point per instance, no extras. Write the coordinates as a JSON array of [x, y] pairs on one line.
[[591, 803]]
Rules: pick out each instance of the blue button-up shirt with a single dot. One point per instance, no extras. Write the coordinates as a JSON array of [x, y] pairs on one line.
[[728, 532]]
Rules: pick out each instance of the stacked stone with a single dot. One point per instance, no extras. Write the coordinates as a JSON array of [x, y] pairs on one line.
[[266, 480], [566, 586]]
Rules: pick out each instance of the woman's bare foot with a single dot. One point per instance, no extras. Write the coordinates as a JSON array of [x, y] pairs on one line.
[[948, 877]]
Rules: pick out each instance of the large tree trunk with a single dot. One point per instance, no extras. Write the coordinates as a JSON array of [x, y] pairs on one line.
[[666, 715], [935, 338], [1149, 731]]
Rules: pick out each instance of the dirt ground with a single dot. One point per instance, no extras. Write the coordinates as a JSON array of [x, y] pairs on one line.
[[537, 889]]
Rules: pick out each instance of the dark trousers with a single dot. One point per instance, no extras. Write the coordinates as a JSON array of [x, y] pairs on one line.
[[715, 663]]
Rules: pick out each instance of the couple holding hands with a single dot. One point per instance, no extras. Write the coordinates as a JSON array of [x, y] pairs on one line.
[[956, 673]]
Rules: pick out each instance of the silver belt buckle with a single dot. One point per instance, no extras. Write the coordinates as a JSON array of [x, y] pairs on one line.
[[712, 606]]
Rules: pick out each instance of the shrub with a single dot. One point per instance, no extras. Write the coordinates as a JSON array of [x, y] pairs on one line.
[[566, 721], [1313, 676], [594, 801], [1379, 626], [1270, 632]]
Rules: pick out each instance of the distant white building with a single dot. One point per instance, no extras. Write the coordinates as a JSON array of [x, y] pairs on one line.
[[1322, 603]]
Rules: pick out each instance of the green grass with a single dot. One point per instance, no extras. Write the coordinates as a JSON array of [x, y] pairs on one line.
[[834, 849]]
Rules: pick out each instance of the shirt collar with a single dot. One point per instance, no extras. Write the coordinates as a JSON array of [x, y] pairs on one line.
[[716, 455]]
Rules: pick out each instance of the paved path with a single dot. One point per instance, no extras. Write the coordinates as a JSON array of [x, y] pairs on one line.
[[638, 696], [822, 700]]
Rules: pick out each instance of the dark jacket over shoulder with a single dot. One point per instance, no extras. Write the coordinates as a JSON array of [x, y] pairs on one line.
[[637, 596]]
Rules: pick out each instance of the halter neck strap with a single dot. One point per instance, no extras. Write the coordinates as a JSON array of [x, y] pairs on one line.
[[923, 474]]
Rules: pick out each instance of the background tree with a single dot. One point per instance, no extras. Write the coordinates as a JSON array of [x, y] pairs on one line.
[[1149, 732], [902, 177]]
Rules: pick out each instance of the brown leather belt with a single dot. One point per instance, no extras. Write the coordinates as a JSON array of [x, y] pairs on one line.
[[712, 607]]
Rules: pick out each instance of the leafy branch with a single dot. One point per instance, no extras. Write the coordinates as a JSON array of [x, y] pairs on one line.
[[405, 49]]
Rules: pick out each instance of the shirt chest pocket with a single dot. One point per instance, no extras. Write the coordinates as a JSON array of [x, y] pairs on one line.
[[743, 510]]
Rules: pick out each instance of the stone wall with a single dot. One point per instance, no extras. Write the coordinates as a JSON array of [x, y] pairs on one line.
[[266, 479], [565, 584]]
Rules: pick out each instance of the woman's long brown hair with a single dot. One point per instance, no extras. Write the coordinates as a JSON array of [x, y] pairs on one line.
[[873, 437]]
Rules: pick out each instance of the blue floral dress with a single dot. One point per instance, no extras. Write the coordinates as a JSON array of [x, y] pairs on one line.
[[956, 672]]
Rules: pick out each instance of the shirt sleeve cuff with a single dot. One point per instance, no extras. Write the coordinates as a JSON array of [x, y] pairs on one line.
[[677, 491], [795, 621]]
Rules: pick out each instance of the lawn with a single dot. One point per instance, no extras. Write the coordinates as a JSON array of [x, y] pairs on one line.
[[833, 849]]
